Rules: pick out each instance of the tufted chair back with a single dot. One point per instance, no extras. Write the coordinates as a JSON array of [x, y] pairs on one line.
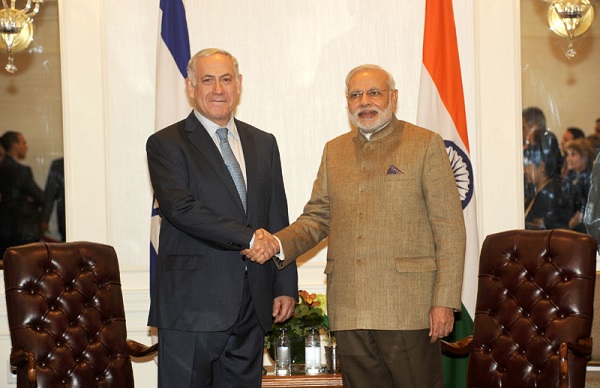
[[66, 316], [534, 310]]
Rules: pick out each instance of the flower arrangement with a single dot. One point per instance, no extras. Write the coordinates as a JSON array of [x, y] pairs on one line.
[[310, 311]]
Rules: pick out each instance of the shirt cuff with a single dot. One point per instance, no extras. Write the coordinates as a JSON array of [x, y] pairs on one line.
[[279, 256]]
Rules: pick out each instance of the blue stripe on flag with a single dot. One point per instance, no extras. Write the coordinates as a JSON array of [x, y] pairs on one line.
[[174, 32]]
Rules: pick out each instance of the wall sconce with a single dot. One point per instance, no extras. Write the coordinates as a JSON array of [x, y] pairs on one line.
[[570, 20], [16, 29]]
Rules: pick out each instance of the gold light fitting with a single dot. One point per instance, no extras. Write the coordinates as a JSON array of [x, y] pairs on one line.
[[570, 19], [16, 28]]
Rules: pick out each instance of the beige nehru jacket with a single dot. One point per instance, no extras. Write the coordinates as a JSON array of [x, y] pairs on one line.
[[396, 241]]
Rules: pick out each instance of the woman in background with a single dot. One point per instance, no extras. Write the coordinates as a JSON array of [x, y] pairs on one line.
[[580, 155]]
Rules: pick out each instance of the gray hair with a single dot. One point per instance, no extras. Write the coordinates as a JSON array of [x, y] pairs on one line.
[[390, 83], [207, 52]]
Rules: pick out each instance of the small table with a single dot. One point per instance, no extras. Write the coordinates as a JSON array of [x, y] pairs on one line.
[[321, 380]]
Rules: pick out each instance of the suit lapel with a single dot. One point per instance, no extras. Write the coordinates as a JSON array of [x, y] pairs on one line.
[[249, 147], [200, 138]]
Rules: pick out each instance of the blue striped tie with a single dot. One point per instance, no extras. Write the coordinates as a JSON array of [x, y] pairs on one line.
[[232, 164]]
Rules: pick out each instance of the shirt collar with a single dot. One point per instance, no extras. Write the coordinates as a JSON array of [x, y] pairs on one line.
[[212, 127], [382, 132], [368, 135]]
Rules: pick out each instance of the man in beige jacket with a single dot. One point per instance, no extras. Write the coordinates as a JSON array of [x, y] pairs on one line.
[[386, 197]]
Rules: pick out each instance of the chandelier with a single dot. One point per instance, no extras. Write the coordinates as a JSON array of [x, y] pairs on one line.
[[16, 29], [570, 20]]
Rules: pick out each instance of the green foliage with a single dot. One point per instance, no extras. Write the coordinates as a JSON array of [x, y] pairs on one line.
[[310, 311]]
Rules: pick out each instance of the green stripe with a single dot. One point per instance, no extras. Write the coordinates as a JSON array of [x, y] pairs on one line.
[[455, 367]]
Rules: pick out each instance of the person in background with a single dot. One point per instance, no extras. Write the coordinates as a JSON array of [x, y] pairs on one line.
[[597, 128], [20, 197], [217, 180], [55, 192], [570, 134], [533, 118], [534, 121], [595, 142], [576, 185], [386, 197], [591, 215], [545, 206]]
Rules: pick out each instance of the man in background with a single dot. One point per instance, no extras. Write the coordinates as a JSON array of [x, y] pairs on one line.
[[386, 197], [571, 133], [55, 192], [534, 126], [594, 138], [591, 215], [20, 197], [597, 128], [533, 118], [217, 180]]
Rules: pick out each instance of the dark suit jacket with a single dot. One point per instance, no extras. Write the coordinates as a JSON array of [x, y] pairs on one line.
[[199, 273], [55, 191], [20, 201]]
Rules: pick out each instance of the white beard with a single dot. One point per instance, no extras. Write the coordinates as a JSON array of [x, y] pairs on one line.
[[383, 117]]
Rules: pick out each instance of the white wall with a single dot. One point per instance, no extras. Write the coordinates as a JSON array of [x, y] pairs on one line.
[[294, 57]]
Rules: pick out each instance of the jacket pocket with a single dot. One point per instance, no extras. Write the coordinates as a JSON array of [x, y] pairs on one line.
[[329, 266], [416, 264]]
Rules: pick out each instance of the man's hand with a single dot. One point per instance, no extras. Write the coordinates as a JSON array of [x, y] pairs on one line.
[[441, 321], [264, 248], [283, 308]]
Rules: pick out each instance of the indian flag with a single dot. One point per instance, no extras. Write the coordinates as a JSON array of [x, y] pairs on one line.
[[441, 108]]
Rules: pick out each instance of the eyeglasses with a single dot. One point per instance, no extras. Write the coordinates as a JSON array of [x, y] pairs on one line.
[[372, 94]]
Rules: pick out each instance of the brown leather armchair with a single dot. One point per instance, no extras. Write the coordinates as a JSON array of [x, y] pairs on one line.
[[66, 316], [534, 310]]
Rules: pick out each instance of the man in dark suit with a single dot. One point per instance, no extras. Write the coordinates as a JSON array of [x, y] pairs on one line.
[[211, 306], [20, 197], [55, 192]]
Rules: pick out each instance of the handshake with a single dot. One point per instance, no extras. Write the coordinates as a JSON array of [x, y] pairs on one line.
[[264, 248]]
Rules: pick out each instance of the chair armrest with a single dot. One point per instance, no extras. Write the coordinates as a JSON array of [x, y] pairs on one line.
[[137, 349], [582, 348], [22, 359], [461, 347], [592, 362]]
